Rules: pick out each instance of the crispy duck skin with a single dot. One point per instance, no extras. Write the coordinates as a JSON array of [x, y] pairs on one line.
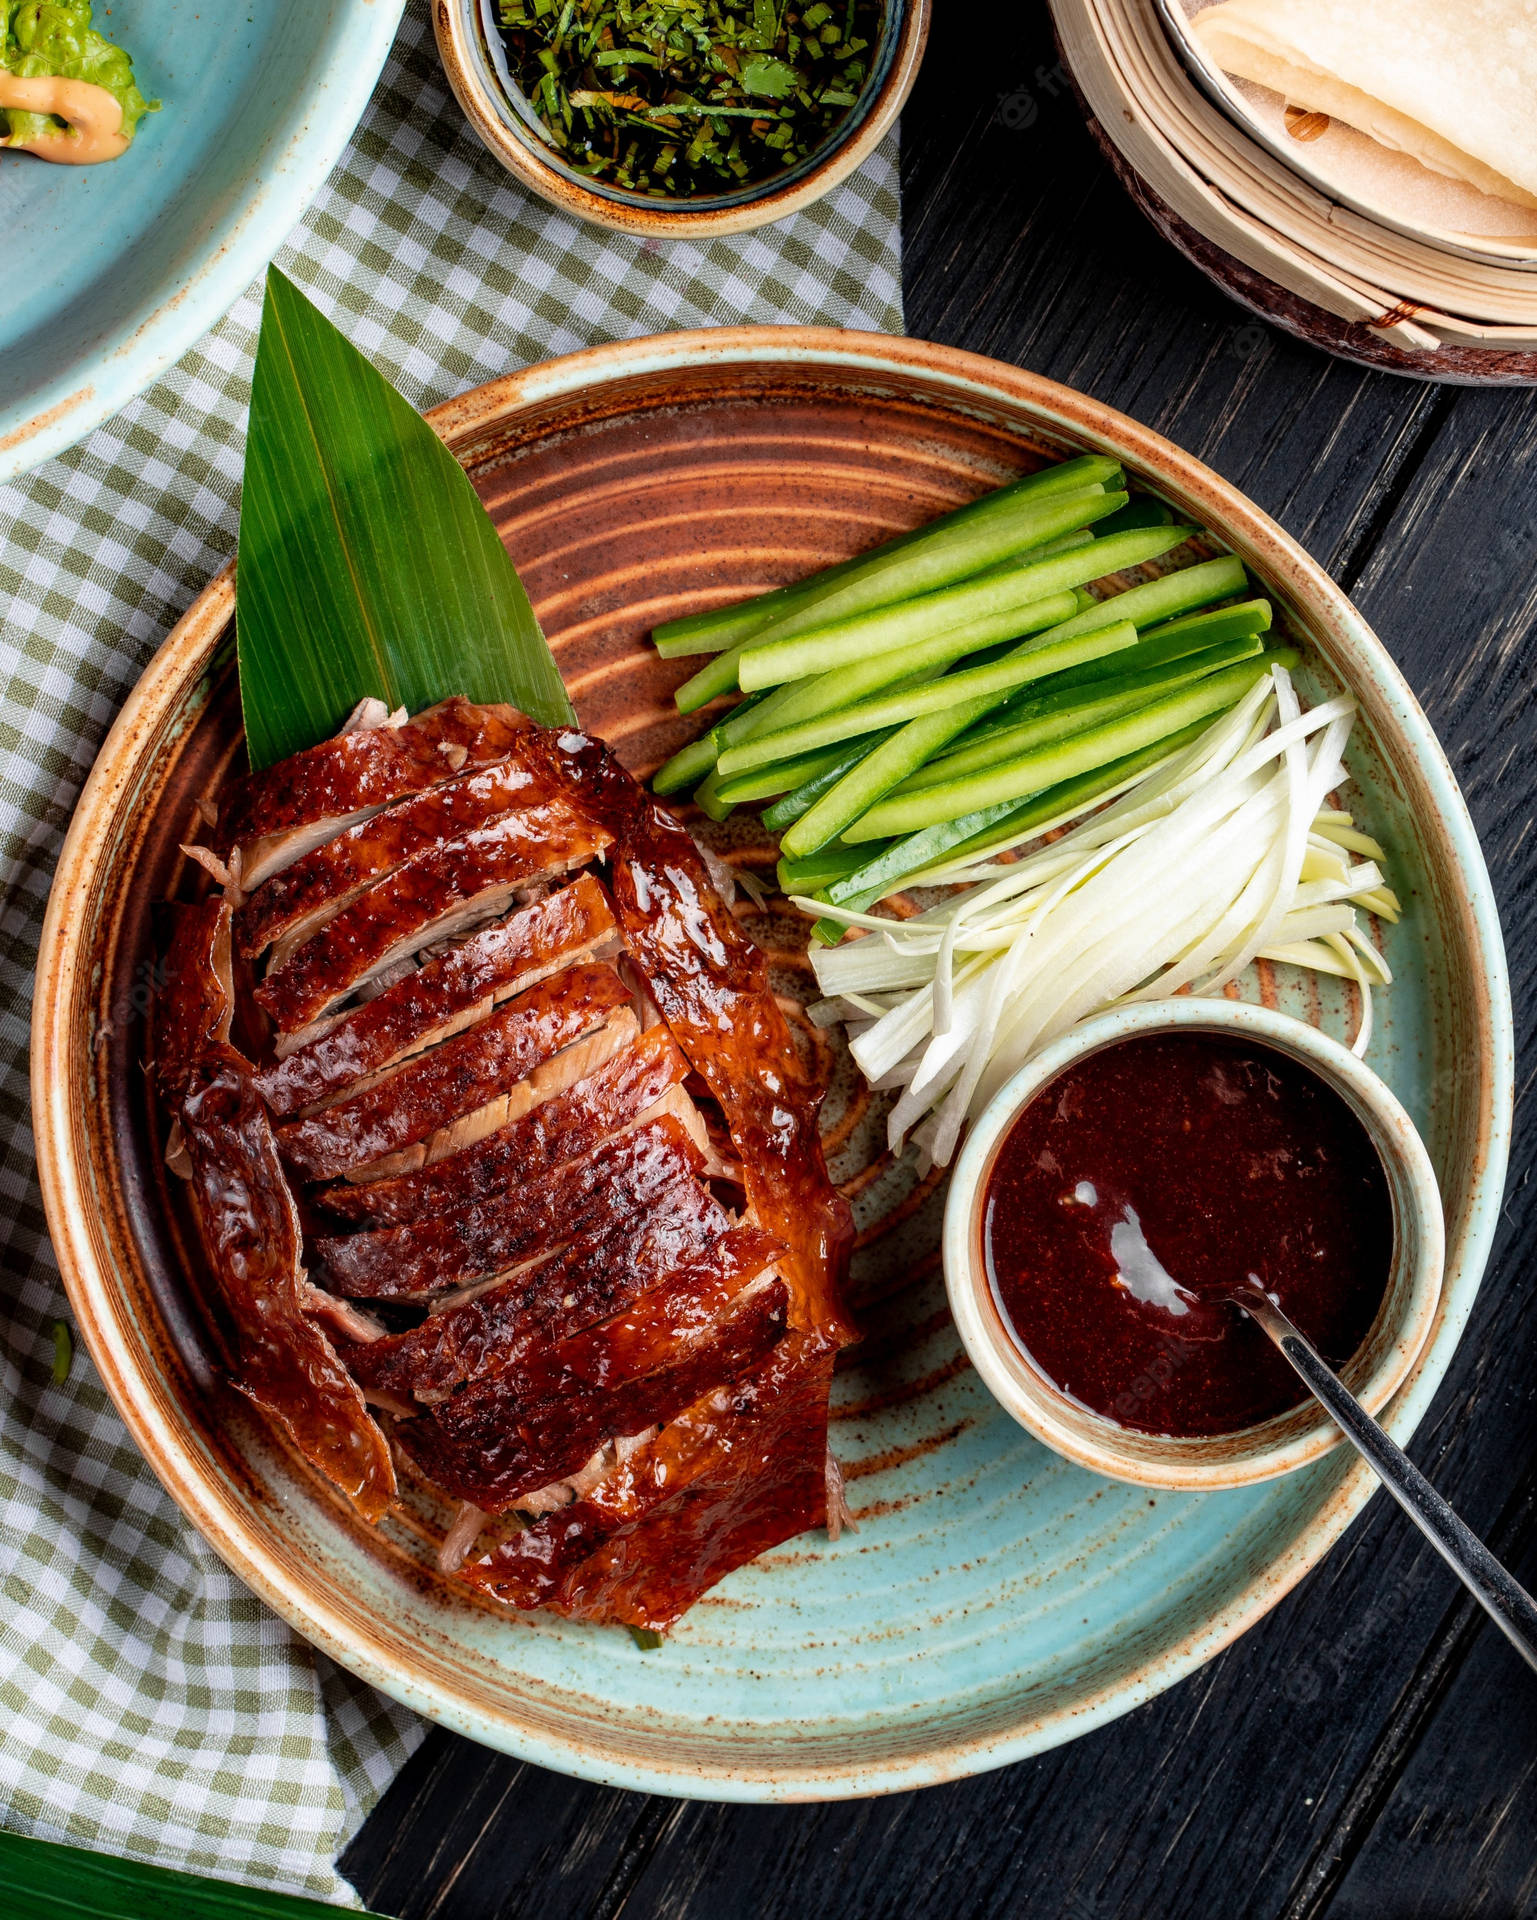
[[703, 1327], [250, 1229], [428, 1091], [194, 1005], [448, 889], [549, 1078], [449, 1249], [477, 1414], [293, 903], [276, 816], [563, 1128], [472, 1344], [711, 985], [731, 1476], [452, 991]]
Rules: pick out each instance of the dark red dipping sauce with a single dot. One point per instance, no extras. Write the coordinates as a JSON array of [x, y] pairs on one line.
[[1157, 1173]]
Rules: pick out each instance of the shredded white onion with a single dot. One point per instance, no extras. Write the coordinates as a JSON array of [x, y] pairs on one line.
[[1223, 854]]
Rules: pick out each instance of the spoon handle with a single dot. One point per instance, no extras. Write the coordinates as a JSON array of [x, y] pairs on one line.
[[1504, 1599]]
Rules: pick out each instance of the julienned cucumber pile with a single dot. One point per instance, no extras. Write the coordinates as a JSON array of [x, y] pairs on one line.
[[944, 695]]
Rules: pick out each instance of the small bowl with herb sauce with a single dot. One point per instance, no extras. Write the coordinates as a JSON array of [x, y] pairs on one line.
[[691, 120], [1120, 1186]]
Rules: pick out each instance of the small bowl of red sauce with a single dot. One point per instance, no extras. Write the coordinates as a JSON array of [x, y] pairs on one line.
[[1123, 1183]]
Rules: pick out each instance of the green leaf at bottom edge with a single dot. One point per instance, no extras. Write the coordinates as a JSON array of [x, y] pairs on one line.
[[46, 1881]]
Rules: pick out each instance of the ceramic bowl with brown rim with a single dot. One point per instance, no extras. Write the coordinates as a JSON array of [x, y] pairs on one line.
[[1303, 1432], [500, 112], [996, 1598]]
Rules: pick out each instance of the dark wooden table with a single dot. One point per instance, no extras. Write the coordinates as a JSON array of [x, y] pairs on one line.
[[1371, 1748]]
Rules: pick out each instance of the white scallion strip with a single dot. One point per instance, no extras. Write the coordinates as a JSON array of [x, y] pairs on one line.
[[1218, 856]]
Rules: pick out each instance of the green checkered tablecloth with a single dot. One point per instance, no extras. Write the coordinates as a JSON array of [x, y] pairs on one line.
[[152, 1707]]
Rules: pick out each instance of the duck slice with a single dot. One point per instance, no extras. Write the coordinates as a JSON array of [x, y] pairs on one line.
[[707, 1324], [278, 815], [571, 1064], [452, 991], [194, 1007], [250, 1231], [477, 1339], [711, 985], [729, 1477], [449, 1249], [293, 903], [445, 891], [562, 1127], [462, 1076]]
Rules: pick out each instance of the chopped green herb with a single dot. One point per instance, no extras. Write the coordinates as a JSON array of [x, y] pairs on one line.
[[644, 1638], [769, 77], [63, 1352], [688, 97]]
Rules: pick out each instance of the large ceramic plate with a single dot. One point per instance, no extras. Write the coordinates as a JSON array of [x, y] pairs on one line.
[[112, 272], [994, 1600]]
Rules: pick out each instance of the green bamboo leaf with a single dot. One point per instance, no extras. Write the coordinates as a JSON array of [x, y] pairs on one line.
[[367, 563], [46, 1881]]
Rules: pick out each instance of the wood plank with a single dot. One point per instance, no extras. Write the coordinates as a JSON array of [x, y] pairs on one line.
[[1453, 1828], [465, 1834]]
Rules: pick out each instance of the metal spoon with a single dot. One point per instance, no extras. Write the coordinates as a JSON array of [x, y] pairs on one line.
[[1507, 1603]]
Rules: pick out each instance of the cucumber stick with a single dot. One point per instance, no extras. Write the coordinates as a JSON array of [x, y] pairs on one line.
[[822, 869], [693, 762], [1169, 594], [1212, 623], [790, 806], [876, 774], [1033, 661], [1049, 765], [977, 548], [686, 768], [1143, 511], [900, 764], [784, 776], [768, 662], [787, 706], [1176, 640], [707, 797], [1055, 715], [722, 627]]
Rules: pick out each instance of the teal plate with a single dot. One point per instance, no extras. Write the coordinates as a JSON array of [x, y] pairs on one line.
[[994, 1600], [111, 272]]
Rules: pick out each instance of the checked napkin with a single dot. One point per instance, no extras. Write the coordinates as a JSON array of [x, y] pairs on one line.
[[149, 1705]]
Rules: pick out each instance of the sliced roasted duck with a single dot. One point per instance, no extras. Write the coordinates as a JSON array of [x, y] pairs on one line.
[[517, 1184], [273, 818]]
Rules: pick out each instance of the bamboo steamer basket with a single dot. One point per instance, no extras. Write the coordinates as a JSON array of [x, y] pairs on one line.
[[1296, 246]]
